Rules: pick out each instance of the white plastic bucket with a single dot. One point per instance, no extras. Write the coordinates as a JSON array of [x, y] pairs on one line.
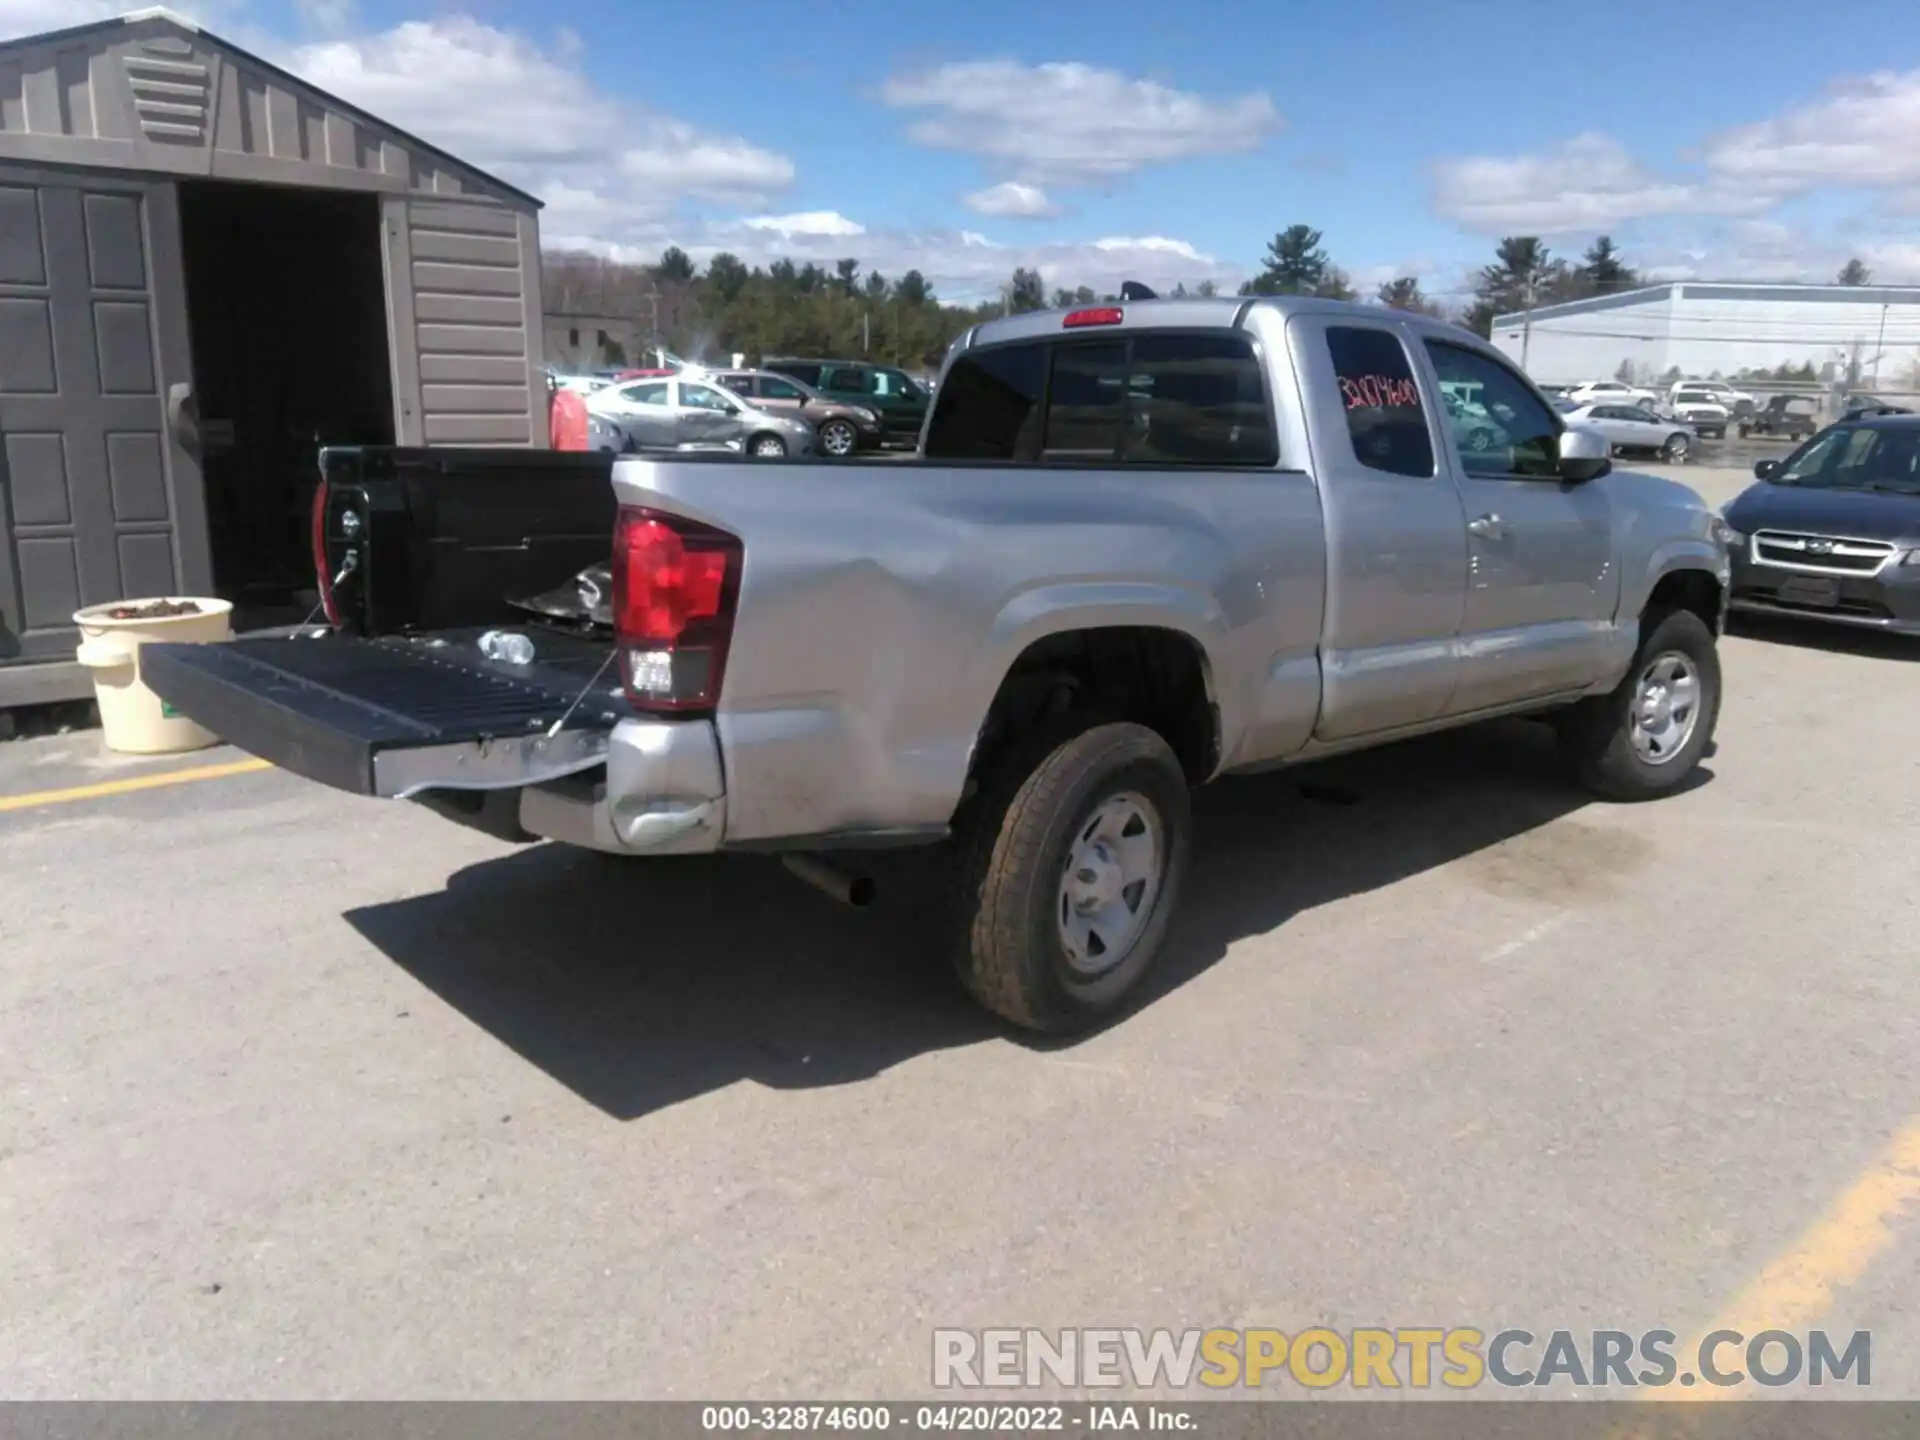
[[134, 720]]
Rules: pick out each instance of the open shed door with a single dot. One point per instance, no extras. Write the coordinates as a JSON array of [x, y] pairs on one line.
[[463, 291], [98, 498]]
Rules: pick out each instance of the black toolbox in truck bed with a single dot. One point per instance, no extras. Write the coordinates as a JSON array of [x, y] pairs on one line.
[[349, 712]]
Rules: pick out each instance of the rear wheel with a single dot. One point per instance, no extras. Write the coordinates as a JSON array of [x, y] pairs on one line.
[[1644, 740], [1070, 867], [838, 437], [767, 447], [1676, 447]]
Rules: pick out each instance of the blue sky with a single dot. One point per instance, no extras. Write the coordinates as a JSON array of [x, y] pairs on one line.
[[1146, 139]]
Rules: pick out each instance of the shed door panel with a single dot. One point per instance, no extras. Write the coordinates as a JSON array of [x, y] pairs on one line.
[[464, 286], [89, 470]]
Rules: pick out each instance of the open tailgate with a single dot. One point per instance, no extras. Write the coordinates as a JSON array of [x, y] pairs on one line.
[[398, 716]]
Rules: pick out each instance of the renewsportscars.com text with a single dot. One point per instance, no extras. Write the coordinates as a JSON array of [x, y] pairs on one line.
[[1417, 1358]]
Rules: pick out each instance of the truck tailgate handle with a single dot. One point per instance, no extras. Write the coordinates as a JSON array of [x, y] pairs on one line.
[[1487, 527]]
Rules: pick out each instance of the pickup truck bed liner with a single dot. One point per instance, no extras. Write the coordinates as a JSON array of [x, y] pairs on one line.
[[325, 707]]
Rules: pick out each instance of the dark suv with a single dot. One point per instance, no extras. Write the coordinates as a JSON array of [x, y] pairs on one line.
[[901, 404], [1833, 531]]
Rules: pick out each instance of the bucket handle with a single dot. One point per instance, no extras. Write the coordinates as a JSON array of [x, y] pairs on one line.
[[103, 652]]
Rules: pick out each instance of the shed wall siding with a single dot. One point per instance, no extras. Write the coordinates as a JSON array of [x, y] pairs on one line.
[[470, 275]]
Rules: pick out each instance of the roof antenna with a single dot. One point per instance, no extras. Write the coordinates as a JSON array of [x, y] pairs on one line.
[[1134, 290]]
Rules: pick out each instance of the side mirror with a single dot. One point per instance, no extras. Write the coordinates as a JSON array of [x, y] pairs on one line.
[[1585, 454], [1763, 468]]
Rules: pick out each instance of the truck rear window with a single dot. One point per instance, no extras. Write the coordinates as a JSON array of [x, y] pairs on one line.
[[1154, 398]]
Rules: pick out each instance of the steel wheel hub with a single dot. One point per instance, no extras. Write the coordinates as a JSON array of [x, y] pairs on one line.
[[1111, 881], [1666, 708]]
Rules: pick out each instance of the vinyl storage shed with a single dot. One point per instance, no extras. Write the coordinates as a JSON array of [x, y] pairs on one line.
[[208, 268]]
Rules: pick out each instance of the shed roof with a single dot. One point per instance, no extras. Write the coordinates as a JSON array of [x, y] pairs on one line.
[[150, 90]]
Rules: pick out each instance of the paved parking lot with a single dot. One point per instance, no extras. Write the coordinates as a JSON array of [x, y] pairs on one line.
[[308, 1096]]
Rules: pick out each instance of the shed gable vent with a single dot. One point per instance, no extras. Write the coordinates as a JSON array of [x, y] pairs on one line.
[[170, 91]]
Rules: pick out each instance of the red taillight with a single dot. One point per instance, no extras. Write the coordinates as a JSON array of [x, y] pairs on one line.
[[675, 585], [320, 553], [1105, 315]]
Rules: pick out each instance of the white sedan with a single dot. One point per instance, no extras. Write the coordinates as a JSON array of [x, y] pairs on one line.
[[1610, 392], [1636, 427]]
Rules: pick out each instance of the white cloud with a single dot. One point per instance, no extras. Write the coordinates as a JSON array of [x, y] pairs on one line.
[[1010, 199], [606, 167], [1153, 245], [1071, 124], [807, 222], [1773, 250], [960, 264], [1861, 134], [1589, 182]]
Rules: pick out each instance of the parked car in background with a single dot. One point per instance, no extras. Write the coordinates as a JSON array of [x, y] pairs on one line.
[[1610, 392], [1637, 428], [682, 415], [891, 391], [1794, 416], [1718, 392], [1701, 408], [844, 428], [1833, 531]]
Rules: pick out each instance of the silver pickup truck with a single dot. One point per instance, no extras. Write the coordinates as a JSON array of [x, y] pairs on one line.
[[1144, 546]]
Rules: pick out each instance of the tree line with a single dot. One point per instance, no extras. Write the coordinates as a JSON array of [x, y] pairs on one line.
[[784, 308]]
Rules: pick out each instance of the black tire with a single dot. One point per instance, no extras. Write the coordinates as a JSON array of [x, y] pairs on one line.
[[1676, 447], [839, 433], [1745, 431], [1596, 736], [1015, 845], [767, 447]]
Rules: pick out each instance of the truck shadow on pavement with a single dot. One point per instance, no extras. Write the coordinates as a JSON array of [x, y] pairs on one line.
[[641, 984]]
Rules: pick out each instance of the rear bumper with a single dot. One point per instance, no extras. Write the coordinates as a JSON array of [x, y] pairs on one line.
[[663, 792]]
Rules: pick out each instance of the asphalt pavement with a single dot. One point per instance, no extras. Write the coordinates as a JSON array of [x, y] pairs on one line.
[[309, 1096]]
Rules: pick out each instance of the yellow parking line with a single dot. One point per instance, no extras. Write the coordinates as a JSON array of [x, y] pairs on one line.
[[130, 784], [1796, 1289]]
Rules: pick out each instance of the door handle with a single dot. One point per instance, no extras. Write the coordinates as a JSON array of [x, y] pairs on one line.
[[183, 418], [1487, 527]]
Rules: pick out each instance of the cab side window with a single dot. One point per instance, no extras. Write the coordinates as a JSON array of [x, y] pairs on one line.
[[1386, 420], [1511, 433]]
